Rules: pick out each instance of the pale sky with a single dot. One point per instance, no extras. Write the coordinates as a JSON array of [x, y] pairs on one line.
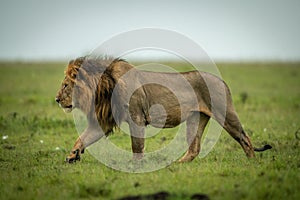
[[227, 30]]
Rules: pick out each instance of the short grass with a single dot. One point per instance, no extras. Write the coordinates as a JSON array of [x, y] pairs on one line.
[[39, 136]]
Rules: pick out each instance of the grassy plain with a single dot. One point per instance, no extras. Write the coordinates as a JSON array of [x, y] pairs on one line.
[[36, 136]]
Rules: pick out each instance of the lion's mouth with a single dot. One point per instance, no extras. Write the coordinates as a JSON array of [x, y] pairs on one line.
[[70, 106], [67, 109], [62, 106]]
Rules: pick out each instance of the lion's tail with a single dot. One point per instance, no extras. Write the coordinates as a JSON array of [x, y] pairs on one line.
[[266, 147]]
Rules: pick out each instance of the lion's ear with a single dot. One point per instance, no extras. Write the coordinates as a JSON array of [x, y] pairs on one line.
[[73, 67], [72, 71], [71, 62], [78, 62]]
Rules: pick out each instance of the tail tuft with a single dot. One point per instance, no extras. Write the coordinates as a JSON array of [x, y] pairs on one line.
[[266, 147]]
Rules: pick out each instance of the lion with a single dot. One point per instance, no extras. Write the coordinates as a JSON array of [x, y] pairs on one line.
[[110, 91]]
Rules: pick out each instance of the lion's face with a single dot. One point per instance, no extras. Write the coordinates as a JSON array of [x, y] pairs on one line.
[[64, 95], [82, 86]]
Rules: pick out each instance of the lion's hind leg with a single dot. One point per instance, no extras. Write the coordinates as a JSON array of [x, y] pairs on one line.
[[233, 126], [195, 126]]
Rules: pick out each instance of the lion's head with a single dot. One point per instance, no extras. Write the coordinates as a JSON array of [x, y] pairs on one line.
[[88, 86], [64, 95]]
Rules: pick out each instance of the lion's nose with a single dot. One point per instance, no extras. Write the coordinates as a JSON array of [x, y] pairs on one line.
[[57, 99]]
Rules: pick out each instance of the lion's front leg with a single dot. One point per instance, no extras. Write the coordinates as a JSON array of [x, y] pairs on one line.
[[137, 141], [88, 137], [76, 151], [195, 126]]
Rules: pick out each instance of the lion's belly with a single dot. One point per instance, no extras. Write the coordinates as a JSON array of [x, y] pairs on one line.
[[162, 106], [163, 117], [165, 109], [166, 116]]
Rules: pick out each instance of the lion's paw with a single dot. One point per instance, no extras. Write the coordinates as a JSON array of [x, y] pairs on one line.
[[137, 156], [187, 158], [73, 157]]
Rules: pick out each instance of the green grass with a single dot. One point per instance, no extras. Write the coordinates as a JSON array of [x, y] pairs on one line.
[[40, 135]]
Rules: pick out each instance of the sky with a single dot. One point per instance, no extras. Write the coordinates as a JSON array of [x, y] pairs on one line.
[[226, 30]]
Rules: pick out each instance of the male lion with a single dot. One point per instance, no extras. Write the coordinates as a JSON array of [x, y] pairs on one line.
[[110, 91]]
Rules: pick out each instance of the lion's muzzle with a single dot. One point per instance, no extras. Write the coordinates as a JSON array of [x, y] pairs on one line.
[[57, 99]]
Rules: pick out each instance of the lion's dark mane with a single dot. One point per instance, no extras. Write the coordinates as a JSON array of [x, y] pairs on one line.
[[99, 80]]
